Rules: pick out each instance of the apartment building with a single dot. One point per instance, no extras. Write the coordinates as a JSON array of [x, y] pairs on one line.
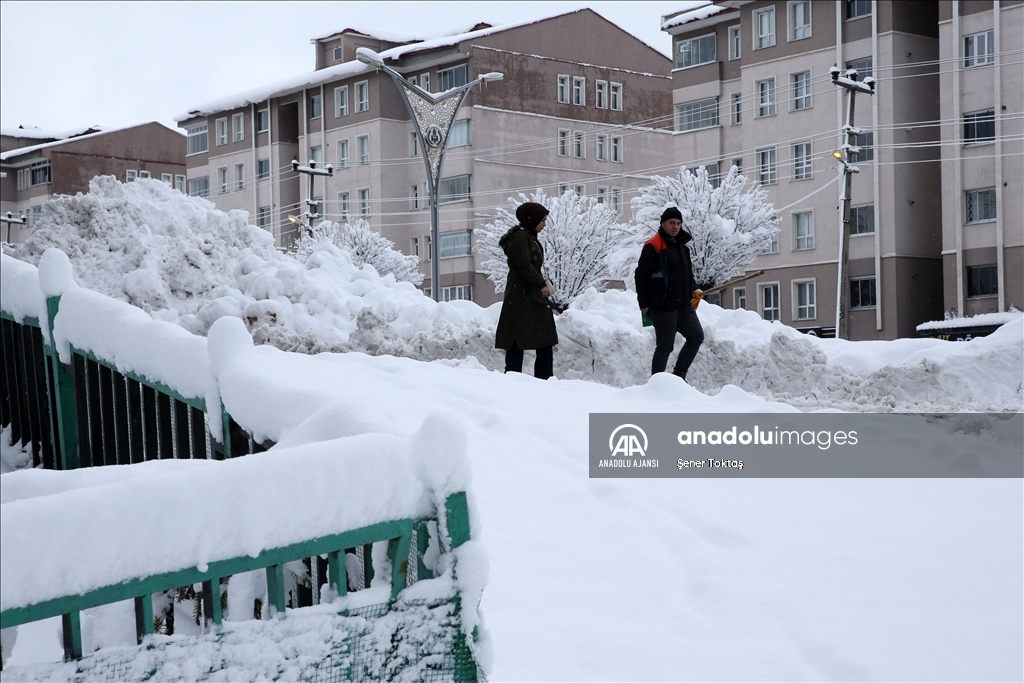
[[583, 106], [752, 89], [982, 111], [39, 164]]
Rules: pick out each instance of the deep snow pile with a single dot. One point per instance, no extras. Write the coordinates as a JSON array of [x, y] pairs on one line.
[[184, 261]]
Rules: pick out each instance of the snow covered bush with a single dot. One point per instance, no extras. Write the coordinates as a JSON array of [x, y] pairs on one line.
[[730, 226], [364, 245], [580, 235]]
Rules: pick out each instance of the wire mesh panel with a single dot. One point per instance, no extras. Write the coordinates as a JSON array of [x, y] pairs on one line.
[[25, 404]]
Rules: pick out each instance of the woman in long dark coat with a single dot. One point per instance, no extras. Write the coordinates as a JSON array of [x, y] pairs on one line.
[[526, 320]]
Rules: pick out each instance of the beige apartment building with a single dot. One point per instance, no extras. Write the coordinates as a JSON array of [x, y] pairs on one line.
[[583, 106], [752, 88], [981, 47], [39, 164]]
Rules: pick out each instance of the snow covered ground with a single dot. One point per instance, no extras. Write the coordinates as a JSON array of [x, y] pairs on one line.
[[615, 579]]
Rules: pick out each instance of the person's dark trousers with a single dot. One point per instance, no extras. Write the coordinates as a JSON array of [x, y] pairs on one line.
[[666, 323], [543, 368]]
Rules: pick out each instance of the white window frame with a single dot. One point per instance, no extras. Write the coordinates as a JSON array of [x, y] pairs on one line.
[[563, 141], [579, 144], [602, 194], [601, 147], [777, 307], [793, 28], [263, 120], [261, 175], [363, 149], [316, 106], [130, 175], [768, 166], [316, 155], [222, 131], [263, 217], [562, 89], [852, 4], [222, 180], [180, 183], [977, 195], [456, 293], [974, 118], [463, 244], [805, 241], [414, 197], [579, 91], [198, 183], [736, 108], [864, 278], [455, 197], [344, 157], [988, 53], [238, 127], [764, 91], [451, 71], [601, 94], [803, 164], [337, 54], [773, 246], [414, 144], [362, 89], [616, 195], [193, 134], [454, 133], [801, 92], [739, 298], [345, 205], [240, 176], [341, 101], [145, 174], [697, 114], [855, 213], [699, 50], [167, 178], [615, 96], [767, 39], [735, 42], [580, 190], [615, 149], [809, 310], [365, 209]]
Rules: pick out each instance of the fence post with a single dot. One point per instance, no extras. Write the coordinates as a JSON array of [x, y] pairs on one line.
[[64, 388], [72, 628]]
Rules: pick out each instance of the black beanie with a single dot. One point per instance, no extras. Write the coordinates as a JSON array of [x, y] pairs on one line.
[[671, 212], [530, 214]]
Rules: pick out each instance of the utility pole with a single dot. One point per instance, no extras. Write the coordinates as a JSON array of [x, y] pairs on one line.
[[312, 211], [433, 116], [9, 219], [848, 81]]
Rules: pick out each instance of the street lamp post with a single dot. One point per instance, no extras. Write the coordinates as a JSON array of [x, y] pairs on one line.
[[433, 116]]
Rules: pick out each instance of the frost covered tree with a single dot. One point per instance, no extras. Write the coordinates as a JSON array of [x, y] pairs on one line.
[[730, 225], [580, 235], [363, 245]]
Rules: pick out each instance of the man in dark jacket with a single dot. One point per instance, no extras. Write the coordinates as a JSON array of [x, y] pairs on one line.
[[526, 320], [664, 287]]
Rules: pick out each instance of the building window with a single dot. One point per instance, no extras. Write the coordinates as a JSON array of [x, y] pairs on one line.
[[862, 292], [602, 194], [414, 144], [414, 197], [803, 230], [866, 143], [580, 190], [240, 176], [364, 202], [739, 298], [362, 96], [344, 206], [982, 281], [316, 155], [764, 21], [617, 199], [456, 293], [862, 219], [199, 187], [766, 97], [801, 85], [579, 91], [767, 167], [737, 108], [39, 173], [562, 189], [315, 106], [602, 147], [262, 120], [167, 178], [601, 94], [451, 244], [414, 246], [773, 245], [856, 9], [735, 42], [129, 176], [198, 142], [455, 189], [222, 132], [616, 148], [222, 179], [696, 51], [341, 101], [458, 134], [799, 20], [697, 114], [363, 145], [563, 89], [579, 145], [425, 81], [262, 169], [563, 142], [738, 163], [803, 296], [769, 301], [238, 127], [452, 77], [343, 158], [864, 67], [263, 217], [179, 183], [37, 213], [980, 126], [145, 174], [802, 161], [337, 54], [979, 48], [615, 96], [981, 205]]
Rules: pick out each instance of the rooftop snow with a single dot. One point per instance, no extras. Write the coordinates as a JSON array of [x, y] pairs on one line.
[[688, 17], [35, 133], [393, 37], [11, 154]]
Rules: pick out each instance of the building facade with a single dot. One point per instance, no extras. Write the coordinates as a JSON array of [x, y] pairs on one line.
[[982, 112], [38, 164], [752, 88], [583, 106]]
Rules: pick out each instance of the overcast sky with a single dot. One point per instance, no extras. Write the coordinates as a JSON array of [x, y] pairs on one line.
[[70, 65]]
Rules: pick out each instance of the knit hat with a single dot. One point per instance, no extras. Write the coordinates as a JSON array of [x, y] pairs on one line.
[[530, 214], [671, 212]]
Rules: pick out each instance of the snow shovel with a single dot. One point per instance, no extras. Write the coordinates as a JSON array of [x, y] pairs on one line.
[[695, 301]]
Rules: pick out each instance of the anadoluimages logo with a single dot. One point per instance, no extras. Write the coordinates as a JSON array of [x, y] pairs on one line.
[[628, 442]]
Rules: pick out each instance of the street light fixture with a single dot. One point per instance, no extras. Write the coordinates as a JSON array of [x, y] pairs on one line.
[[433, 116]]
